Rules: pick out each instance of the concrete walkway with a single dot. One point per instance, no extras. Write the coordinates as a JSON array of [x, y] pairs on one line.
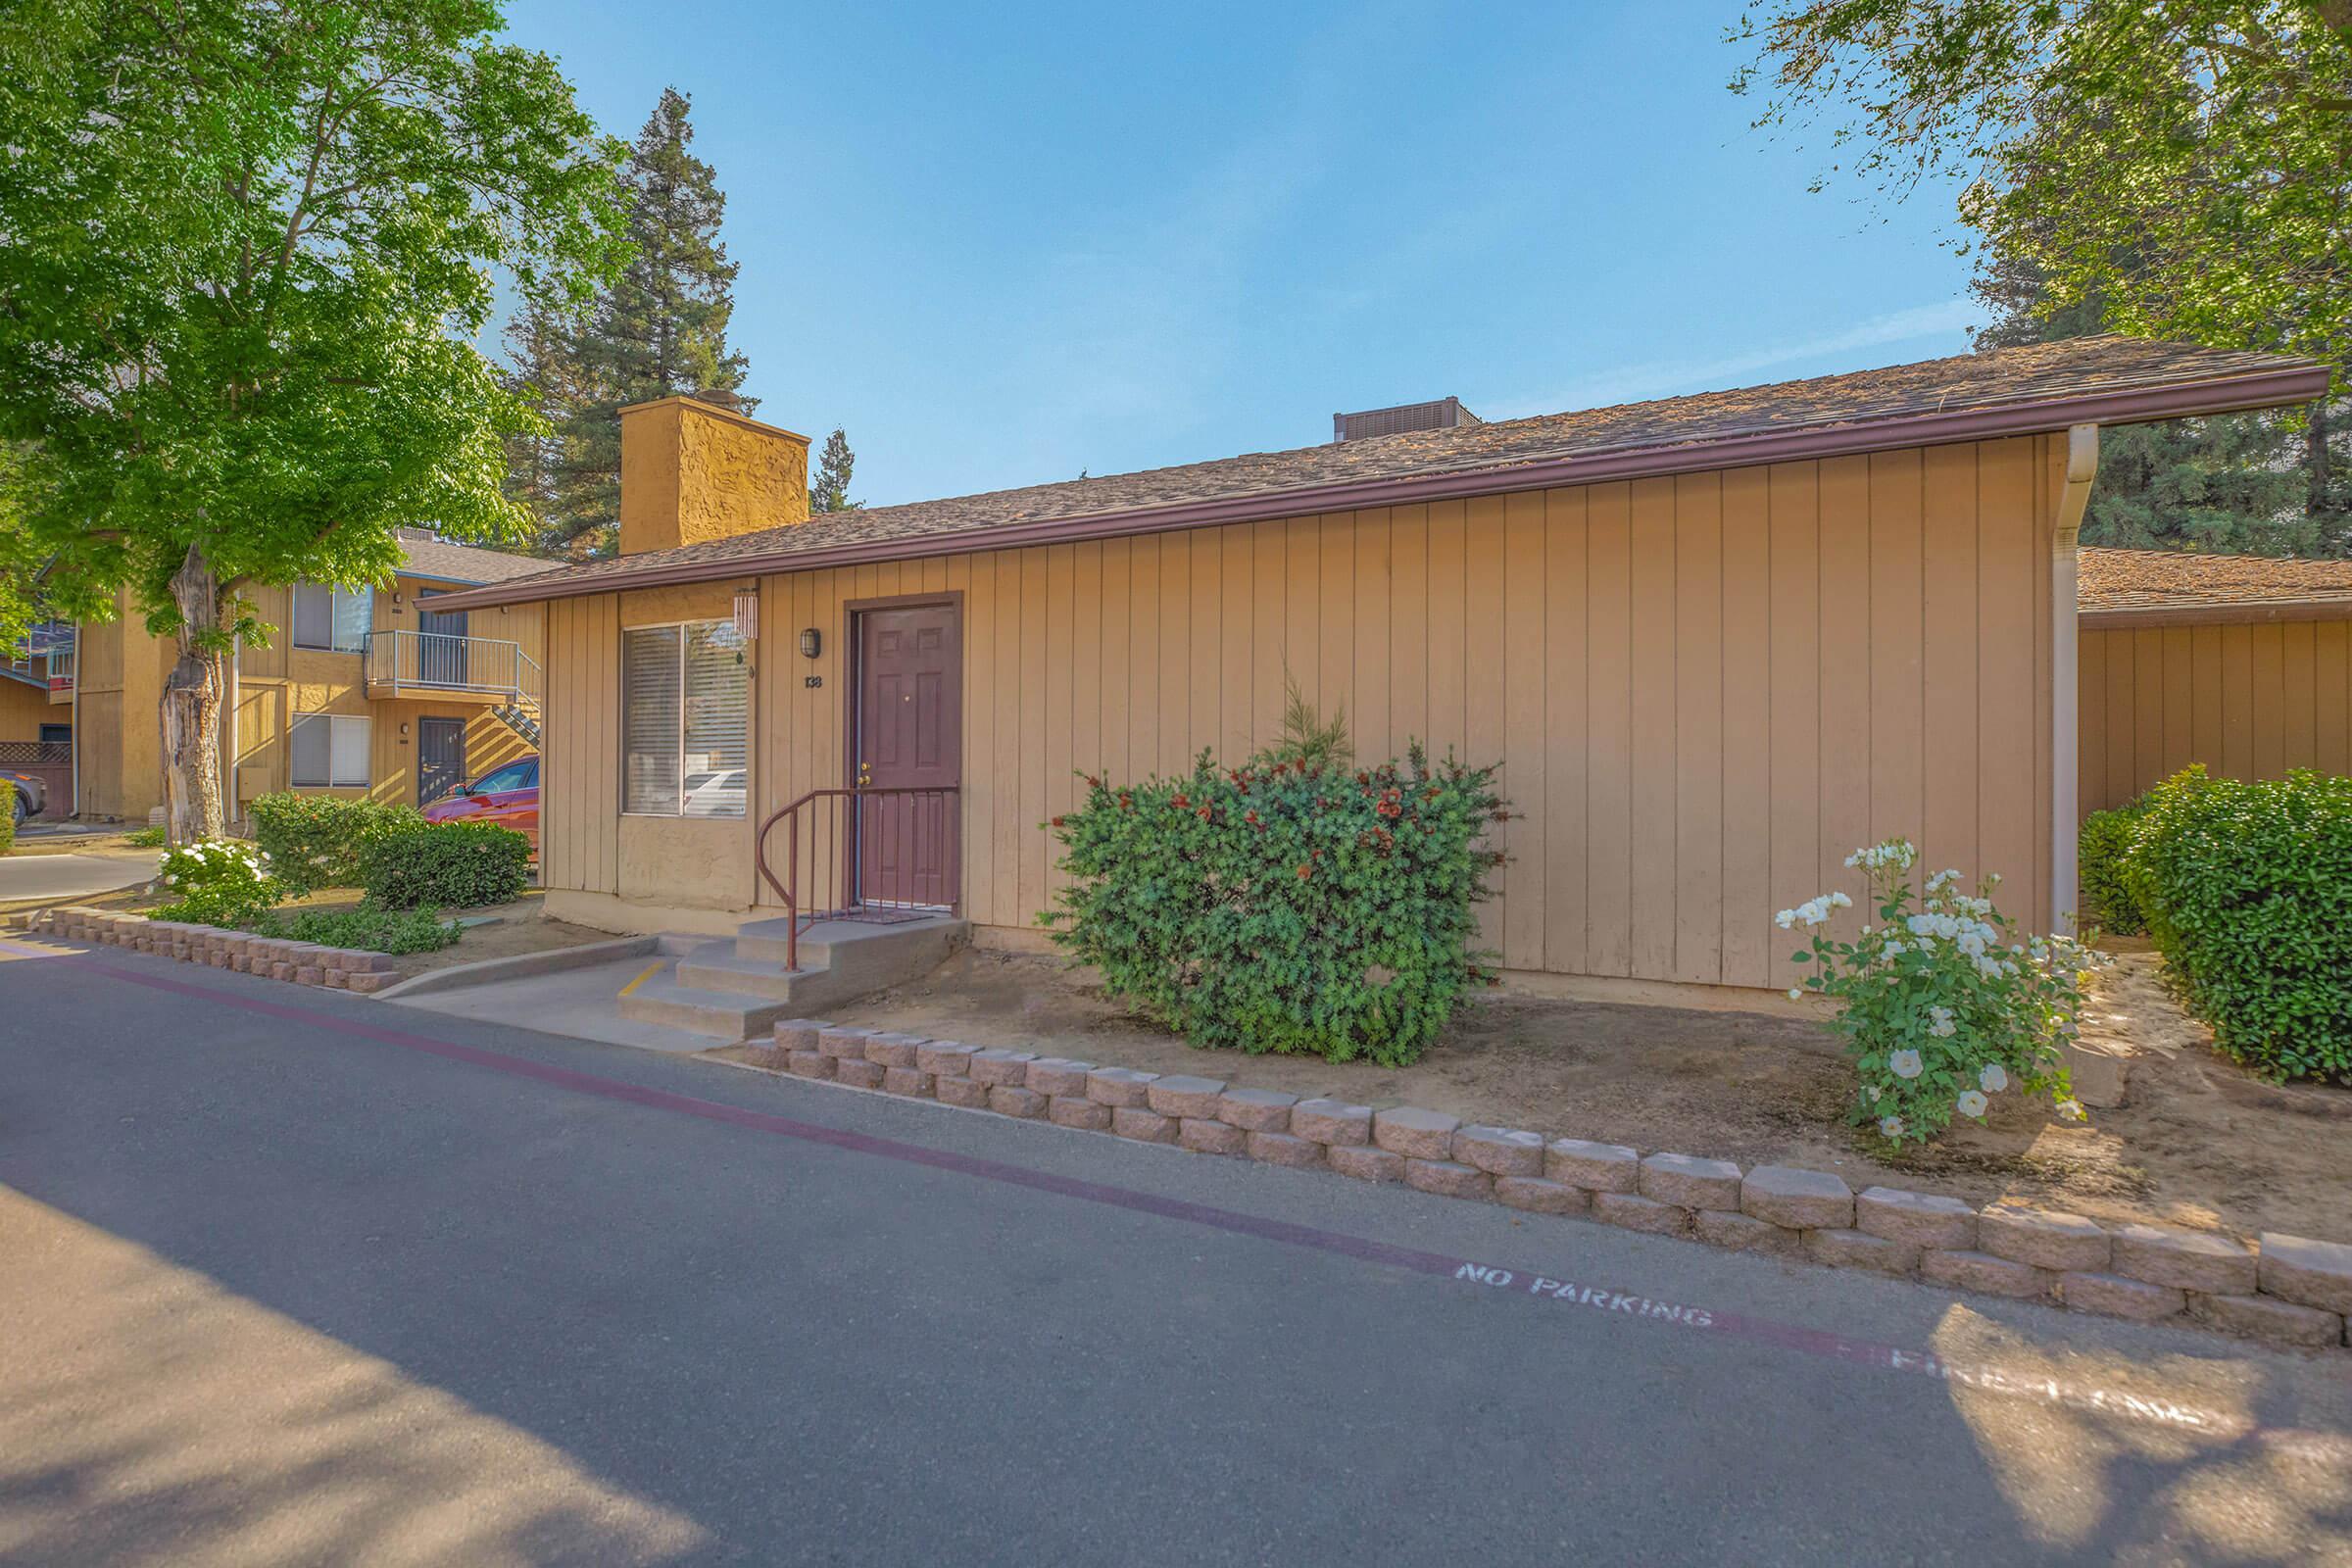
[[579, 1002], [72, 876]]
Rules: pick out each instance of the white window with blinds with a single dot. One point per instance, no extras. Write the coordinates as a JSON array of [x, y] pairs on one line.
[[685, 700], [328, 751], [333, 618]]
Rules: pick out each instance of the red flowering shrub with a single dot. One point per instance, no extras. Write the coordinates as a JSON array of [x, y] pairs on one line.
[[1284, 906]]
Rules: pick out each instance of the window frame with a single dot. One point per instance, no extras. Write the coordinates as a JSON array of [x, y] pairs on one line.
[[333, 593], [620, 694], [366, 721]]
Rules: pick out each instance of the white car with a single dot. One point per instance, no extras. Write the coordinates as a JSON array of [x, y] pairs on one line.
[[719, 794]]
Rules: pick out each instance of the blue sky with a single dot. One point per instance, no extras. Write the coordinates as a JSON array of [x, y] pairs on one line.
[[1002, 244]]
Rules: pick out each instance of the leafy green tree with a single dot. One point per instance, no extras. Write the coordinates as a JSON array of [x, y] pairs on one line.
[[244, 250], [19, 558], [2259, 483], [2179, 170], [834, 464], [658, 330]]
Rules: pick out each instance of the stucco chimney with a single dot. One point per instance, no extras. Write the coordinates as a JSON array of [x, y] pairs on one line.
[[690, 473]]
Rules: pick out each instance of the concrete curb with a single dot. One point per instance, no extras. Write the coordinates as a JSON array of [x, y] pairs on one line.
[[2284, 1288], [520, 966]]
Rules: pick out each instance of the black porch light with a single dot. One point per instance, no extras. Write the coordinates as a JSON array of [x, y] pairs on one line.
[[812, 642]]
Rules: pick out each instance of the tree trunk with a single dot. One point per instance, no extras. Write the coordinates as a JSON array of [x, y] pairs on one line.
[[191, 709]]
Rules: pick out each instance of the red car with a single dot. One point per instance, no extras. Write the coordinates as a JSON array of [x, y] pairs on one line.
[[508, 795]]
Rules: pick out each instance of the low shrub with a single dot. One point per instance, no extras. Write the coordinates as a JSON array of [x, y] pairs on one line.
[[1945, 1005], [2101, 845], [313, 841], [367, 927], [7, 818], [1284, 906], [2247, 888], [215, 882], [443, 865], [151, 837]]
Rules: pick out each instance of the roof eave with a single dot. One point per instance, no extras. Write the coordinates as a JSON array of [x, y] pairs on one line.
[[2263, 389], [2215, 612]]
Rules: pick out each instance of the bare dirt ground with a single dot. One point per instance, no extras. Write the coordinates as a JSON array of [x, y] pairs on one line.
[[522, 927], [2201, 1143]]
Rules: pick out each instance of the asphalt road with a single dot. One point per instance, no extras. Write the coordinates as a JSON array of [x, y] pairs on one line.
[[71, 876], [293, 1277]]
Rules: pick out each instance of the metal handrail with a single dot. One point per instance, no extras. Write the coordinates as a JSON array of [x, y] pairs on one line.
[[392, 649], [788, 890]]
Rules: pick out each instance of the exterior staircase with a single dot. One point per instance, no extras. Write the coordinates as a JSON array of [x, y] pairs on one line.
[[734, 988], [521, 714]]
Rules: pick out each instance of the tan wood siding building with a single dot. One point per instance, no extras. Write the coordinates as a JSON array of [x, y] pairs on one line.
[[2248, 700], [1705, 691], [1715, 643], [120, 671]]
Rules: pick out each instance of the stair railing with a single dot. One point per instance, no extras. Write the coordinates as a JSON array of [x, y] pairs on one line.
[[890, 847]]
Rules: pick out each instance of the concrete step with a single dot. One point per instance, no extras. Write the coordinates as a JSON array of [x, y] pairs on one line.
[[888, 954], [764, 942], [726, 1015], [718, 967], [738, 986]]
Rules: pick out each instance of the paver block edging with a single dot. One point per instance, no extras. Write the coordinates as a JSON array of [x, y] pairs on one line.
[[2284, 1290], [1796, 1200], [1415, 1133], [1334, 1122], [1689, 1182], [2306, 1272]]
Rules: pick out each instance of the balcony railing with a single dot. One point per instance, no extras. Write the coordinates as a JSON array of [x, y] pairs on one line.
[[426, 661], [61, 672]]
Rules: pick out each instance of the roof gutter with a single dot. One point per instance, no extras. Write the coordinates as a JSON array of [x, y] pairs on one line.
[[2219, 612], [2300, 383]]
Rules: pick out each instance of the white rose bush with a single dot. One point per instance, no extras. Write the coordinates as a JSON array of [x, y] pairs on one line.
[[215, 882], [1944, 1005]]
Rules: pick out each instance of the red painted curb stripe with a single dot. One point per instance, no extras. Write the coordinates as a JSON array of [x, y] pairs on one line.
[[1812, 1341]]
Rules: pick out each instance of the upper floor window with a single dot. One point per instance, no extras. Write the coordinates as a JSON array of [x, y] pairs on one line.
[[335, 619]]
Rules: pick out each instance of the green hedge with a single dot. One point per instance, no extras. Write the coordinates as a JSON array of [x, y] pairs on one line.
[[376, 930], [2247, 888], [313, 841], [444, 865], [7, 818], [1284, 906], [2101, 845]]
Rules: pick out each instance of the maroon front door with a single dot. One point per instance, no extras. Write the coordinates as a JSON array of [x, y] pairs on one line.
[[908, 735]]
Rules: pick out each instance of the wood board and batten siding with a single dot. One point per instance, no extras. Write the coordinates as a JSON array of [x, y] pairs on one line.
[[2248, 700], [1704, 689]]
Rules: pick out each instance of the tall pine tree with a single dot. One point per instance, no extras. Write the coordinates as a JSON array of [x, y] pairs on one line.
[[830, 492], [660, 329]]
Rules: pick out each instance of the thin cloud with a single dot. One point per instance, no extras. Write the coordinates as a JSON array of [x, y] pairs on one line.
[[1658, 378]]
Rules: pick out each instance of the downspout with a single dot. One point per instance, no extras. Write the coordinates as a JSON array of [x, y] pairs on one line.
[[74, 711], [228, 743], [2082, 467]]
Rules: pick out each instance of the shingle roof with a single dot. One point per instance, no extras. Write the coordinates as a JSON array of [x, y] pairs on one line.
[[2036, 387], [2113, 580], [467, 563]]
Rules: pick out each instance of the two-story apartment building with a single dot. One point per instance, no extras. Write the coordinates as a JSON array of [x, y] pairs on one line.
[[360, 692]]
